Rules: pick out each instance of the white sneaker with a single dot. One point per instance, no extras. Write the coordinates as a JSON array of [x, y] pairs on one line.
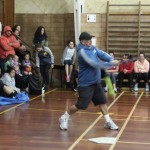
[[111, 125], [135, 87], [63, 122], [147, 88], [105, 89], [115, 90]]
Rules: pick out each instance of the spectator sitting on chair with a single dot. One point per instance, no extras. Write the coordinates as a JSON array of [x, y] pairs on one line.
[[68, 59], [141, 69], [126, 70]]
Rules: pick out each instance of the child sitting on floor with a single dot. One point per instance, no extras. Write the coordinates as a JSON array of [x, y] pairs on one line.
[[27, 65], [16, 65]]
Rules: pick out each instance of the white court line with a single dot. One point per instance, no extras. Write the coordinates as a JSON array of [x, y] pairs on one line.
[[92, 125], [125, 124]]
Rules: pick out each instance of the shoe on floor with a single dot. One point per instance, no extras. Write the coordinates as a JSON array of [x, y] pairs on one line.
[[105, 89], [75, 89], [115, 90], [147, 88], [136, 88], [111, 125], [63, 120]]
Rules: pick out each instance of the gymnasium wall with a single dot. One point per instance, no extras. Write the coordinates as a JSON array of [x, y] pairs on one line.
[[66, 6], [59, 28], [58, 19]]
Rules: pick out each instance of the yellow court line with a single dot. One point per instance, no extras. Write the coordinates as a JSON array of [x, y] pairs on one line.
[[65, 91], [132, 116], [140, 143], [96, 113], [24, 103], [125, 124], [91, 126]]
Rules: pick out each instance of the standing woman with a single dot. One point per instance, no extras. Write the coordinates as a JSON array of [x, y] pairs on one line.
[[22, 49], [40, 36], [44, 60]]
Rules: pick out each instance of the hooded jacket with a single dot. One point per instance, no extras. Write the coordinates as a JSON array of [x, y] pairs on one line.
[[91, 60], [5, 49]]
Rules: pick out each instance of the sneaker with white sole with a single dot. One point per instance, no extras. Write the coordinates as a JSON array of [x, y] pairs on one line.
[[63, 122], [147, 88], [105, 89], [135, 87], [111, 125], [115, 90]]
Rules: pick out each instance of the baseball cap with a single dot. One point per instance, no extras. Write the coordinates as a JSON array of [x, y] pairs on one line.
[[85, 36]]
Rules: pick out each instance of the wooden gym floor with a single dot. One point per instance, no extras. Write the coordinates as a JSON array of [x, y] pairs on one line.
[[35, 126]]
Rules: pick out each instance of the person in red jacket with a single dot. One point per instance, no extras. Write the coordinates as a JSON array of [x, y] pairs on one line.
[[126, 71], [8, 43]]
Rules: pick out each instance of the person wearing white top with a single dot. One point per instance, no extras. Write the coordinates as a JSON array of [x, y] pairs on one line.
[[68, 59], [9, 80]]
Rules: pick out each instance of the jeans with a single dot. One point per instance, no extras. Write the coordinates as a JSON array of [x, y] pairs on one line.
[[141, 76], [113, 77]]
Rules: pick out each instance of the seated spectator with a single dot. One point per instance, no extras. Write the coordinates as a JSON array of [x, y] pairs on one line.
[[126, 71], [8, 61], [27, 65], [112, 73], [9, 80], [6, 91], [8, 43], [141, 69], [16, 65], [68, 59]]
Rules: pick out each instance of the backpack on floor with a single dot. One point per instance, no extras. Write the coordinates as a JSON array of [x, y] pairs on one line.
[[35, 82]]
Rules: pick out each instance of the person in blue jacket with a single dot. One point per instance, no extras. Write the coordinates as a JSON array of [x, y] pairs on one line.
[[90, 60]]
